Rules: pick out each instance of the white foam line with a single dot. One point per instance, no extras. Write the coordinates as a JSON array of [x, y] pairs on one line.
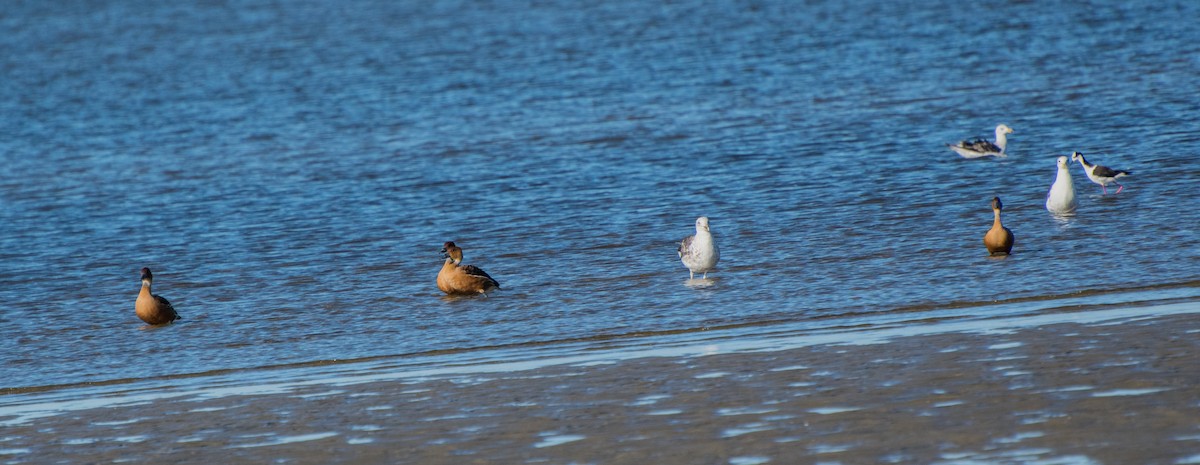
[[555, 440], [1129, 392], [288, 440]]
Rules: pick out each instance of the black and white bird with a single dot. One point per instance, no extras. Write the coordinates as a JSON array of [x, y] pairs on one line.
[[1100, 174], [983, 147]]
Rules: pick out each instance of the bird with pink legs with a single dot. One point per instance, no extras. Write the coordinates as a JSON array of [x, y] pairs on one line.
[[1100, 174]]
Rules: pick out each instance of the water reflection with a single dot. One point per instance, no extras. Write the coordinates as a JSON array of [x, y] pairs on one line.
[[700, 283], [1063, 220]]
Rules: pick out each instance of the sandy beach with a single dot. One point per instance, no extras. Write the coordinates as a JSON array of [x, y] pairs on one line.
[[1120, 386]]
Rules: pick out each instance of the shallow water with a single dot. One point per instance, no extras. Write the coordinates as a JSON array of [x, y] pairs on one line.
[[290, 171], [474, 366], [1061, 378]]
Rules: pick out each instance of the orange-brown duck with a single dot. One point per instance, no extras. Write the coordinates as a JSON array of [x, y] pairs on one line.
[[151, 308], [456, 278], [999, 239]]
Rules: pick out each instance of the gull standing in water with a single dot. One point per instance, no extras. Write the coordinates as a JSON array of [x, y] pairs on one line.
[[456, 278], [153, 308], [983, 147], [999, 239], [1061, 199], [1099, 174], [699, 252]]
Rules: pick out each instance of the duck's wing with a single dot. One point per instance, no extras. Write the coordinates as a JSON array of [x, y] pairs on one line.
[[167, 307], [472, 270]]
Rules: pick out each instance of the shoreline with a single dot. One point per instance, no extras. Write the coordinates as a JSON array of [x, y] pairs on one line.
[[1137, 296], [1106, 384]]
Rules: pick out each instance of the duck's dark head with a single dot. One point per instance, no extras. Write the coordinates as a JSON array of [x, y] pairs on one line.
[[996, 205], [146, 275], [453, 252]]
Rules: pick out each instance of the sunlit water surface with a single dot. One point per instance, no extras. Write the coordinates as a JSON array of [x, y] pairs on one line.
[[290, 170]]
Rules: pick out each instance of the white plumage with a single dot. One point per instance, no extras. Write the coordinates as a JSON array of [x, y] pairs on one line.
[[1061, 199], [699, 252], [983, 147]]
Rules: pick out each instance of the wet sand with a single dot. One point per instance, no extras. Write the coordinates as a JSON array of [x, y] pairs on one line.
[[1107, 391]]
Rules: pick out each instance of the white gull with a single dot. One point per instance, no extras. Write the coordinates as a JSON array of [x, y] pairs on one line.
[[1061, 199], [699, 252], [983, 147]]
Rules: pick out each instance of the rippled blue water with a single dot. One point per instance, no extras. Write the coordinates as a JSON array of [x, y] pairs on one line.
[[290, 170]]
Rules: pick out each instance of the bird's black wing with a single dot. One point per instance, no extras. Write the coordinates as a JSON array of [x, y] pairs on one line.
[[1108, 172], [473, 270], [167, 305], [983, 145]]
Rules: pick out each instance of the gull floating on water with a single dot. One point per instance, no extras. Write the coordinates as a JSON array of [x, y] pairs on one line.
[[999, 239], [153, 308], [983, 147], [699, 252], [1099, 174], [456, 278], [1061, 199]]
